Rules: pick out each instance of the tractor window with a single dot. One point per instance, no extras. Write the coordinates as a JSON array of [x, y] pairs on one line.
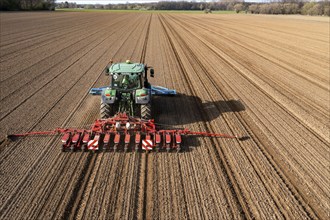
[[125, 81]]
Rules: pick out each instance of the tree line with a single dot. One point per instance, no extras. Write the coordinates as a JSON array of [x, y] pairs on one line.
[[273, 7], [17, 5], [304, 8]]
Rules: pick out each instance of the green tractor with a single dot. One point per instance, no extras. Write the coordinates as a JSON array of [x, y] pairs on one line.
[[129, 91]]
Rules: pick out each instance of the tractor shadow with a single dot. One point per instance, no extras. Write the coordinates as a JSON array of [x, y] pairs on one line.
[[177, 111], [184, 109]]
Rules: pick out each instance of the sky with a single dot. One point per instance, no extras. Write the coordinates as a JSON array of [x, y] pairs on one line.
[[122, 1]]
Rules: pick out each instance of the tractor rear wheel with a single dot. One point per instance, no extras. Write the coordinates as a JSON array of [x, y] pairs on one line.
[[137, 110], [106, 110], [146, 111]]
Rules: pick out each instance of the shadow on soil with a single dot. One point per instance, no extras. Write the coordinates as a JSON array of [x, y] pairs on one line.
[[184, 109], [180, 110]]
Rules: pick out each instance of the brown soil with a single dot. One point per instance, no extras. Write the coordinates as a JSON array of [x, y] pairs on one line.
[[265, 77]]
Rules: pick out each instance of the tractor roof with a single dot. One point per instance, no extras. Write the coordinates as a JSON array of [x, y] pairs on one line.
[[126, 68]]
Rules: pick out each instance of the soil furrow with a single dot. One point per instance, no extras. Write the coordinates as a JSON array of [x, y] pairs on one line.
[[263, 78]]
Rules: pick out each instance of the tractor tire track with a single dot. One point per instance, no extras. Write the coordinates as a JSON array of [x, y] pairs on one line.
[[101, 212], [230, 178]]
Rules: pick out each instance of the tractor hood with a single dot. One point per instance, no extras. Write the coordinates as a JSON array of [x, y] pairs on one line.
[[126, 68]]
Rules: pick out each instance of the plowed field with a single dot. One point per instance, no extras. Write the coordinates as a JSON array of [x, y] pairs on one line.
[[265, 77]]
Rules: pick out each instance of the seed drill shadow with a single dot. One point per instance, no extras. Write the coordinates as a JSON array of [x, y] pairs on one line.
[[180, 110], [185, 109]]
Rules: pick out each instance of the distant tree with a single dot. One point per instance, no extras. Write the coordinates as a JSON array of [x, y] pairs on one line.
[[10, 5], [73, 5], [326, 10], [238, 7], [89, 6], [291, 8], [276, 8], [27, 4], [264, 9], [98, 6], [254, 9], [316, 10], [108, 6], [230, 6], [312, 8], [66, 4]]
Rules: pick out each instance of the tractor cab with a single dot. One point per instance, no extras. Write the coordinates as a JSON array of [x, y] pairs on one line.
[[126, 81], [128, 76]]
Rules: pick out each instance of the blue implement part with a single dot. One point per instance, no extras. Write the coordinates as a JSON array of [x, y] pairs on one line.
[[159, 90], [155, 90], [97, 91]]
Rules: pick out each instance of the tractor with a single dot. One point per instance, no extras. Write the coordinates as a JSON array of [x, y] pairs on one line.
[[129, 91]]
